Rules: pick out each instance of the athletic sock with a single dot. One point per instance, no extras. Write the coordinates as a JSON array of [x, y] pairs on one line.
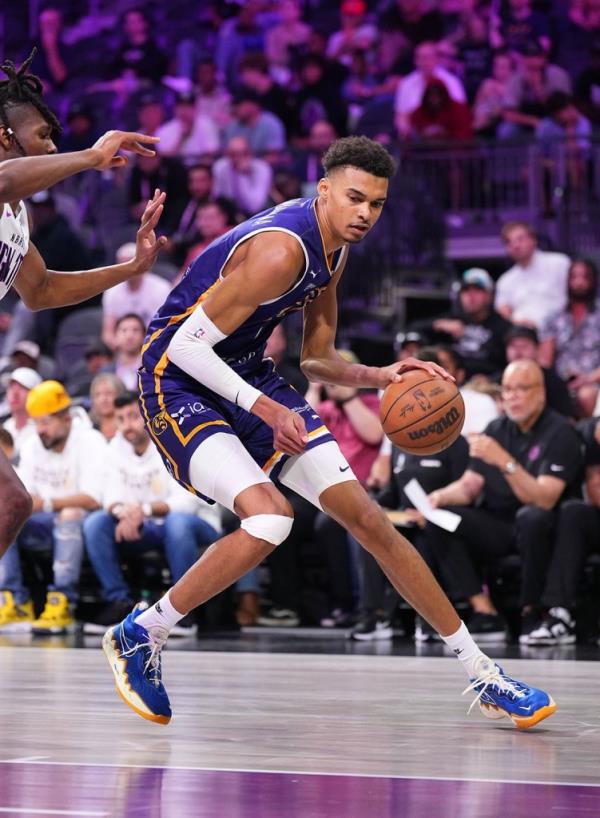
[[162, 615], [461, 643]]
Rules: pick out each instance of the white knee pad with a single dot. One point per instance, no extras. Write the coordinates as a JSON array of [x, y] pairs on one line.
[[273, 528]]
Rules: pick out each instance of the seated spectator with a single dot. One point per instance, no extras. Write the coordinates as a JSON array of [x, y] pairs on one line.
[[212, 220], [104, 390], [212, 100], [144, 509], [240, 35], [521, 468], [242, 177], [286, 39], [199, 183], [536, 285], [254, 73], [577, 25], [166, 173], [95, 358], [474, 52], [352, 416], [150, 113], [488, 107], [138, 60], [263, 131], [566, 124], [142, 294], [526, 101], [411, 89], [81, 131], [355, 33], [54, 59], [307, 163], [519, 26], [129, 337], [188, 135], [19, 424], [62, 467], [286, 185], [523, 344], [320, 94], [28, 354], [586, 88], [474, 327], [480, 409], [571, 337], [577, 535], [439, 118]]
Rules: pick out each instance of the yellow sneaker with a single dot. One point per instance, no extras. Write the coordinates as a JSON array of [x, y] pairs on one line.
[[56, 617], [14, 617]]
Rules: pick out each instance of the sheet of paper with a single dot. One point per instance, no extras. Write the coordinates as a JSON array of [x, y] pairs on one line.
[[447, 520]]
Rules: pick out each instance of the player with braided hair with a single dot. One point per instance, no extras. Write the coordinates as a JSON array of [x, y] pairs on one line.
[[29, 162]]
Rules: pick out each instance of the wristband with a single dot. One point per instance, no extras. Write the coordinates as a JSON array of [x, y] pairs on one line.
[[147, 509], [47, 505]]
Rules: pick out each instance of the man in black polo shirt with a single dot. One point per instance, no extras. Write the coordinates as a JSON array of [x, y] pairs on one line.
[[521, 467]]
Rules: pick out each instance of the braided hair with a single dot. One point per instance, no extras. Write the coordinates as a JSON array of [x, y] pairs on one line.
[[20, 89]]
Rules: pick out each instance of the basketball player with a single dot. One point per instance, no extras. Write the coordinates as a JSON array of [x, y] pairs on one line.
[[227, 425], [26, 143]]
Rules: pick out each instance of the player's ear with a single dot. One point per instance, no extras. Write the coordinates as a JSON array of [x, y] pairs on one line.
[[5, 137], [323, 186]]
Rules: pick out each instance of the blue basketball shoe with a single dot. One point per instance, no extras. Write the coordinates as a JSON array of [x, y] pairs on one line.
[[134, 656], [498, 695]]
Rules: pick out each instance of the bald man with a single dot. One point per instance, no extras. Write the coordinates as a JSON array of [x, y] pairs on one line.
[[521, 467]]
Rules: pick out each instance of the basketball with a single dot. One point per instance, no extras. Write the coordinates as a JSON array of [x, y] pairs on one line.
[[423, 414]]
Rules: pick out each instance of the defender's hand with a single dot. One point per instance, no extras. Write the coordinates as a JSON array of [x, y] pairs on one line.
[[108, 146], [147, 246]]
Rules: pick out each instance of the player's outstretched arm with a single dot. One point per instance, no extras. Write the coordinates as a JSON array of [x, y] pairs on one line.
[[21, 177], [320, 362], [41, 288]]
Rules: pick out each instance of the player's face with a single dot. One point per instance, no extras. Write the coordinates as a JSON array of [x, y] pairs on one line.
[[353, 201], [131, 424], [33, 132]]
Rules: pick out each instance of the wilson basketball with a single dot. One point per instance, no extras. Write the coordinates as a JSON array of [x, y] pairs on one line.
[[423, 414]]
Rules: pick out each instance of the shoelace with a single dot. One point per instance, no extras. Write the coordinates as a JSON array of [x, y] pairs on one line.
[[154, 645], [493, 676]]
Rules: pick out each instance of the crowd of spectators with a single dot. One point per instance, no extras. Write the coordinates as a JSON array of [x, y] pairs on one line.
[[246, 99]]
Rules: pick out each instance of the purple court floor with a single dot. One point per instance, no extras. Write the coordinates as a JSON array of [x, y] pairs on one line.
[[137, 792]]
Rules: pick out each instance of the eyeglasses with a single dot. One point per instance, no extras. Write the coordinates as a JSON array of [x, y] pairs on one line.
[[519, 389]]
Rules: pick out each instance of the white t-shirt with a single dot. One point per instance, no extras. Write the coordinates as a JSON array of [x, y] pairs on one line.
[[78, 469], [204, 137], [249, 191], [534, 292], [135, 478], [14, 244], [145, 301], [409, 93]]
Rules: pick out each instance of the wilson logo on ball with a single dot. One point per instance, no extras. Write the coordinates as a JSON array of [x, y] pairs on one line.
[[445, 422]]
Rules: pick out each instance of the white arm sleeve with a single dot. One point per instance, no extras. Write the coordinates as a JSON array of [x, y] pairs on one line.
[[191, 349]]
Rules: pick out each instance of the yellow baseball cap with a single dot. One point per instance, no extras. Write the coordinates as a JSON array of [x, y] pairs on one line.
[[47, 398]]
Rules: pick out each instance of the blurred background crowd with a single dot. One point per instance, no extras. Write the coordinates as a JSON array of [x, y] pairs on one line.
[[485, 255]]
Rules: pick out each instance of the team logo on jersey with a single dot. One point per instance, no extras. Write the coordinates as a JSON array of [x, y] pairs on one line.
[[185, 412], [159, 424]]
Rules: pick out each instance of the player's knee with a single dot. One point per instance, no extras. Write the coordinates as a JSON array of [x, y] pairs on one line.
[[367, 520], [271, 528]]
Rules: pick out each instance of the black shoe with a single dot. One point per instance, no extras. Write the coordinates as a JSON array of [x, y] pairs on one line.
[[486, 628], [111, 614], [372, 627], [338, 618], [529, 622], [557, 628], [424, 632], [279, 618]]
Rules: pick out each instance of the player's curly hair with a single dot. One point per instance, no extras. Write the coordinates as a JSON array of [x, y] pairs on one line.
[[359, 152], [22, 88]]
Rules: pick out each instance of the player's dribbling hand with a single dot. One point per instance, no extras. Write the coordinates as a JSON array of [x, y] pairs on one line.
[[147, 246], [289, 433], [393, 373], [108, 146]]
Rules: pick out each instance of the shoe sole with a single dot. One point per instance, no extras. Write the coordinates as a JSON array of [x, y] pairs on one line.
[[56, 631], [552, 642], [96, 630], [520, 722], [488, 638], [16, 627], [122, 686]]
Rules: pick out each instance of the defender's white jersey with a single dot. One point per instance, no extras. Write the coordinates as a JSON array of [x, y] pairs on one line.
[[14, 244]]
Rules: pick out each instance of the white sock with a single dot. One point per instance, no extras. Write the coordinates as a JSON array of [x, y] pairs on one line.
[[461, 643], [162, 615]]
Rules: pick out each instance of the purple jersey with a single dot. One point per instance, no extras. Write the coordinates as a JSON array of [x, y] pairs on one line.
[[243, 349]]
